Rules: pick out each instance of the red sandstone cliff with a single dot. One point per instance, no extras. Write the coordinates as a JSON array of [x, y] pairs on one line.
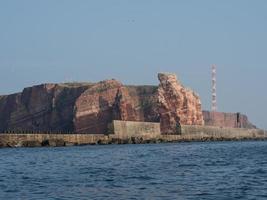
[[177, 105], [109, 100], [231, 120], [89, 108], [100, 104], [46, 107]]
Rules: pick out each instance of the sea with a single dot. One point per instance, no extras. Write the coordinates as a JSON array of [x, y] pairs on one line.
[[196, 170]]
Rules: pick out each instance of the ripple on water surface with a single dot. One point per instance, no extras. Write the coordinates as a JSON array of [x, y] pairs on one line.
[[225, 170]]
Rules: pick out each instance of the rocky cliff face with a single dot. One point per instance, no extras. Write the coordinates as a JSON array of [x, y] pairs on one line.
[[46, 107], [110, 100], [177, 105], [145, 101], [102, 103], [90, 108], [231, 120]]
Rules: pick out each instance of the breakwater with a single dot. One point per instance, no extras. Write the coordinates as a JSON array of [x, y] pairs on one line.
[[188, 133]]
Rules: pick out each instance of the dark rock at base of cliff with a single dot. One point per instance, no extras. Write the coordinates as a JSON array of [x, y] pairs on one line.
[[131, 140], [102, 142], [137, 140], [53, 143], [30, 143], [56, 143], [2, 144], [45, 143]]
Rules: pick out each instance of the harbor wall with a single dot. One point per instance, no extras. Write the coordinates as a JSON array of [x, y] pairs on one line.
[[132, 135], [126, 129]]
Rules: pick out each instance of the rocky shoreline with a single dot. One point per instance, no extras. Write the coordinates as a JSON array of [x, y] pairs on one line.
[[58, 141], [61, 143]]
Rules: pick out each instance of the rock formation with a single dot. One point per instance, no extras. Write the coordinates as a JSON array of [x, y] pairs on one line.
[[91, 107], [46, 107], [177, 105], [145, 101], [110, 100], [100, 104], [231, 120]]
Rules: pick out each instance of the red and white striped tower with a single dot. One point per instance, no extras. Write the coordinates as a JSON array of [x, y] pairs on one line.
[[213, 81]]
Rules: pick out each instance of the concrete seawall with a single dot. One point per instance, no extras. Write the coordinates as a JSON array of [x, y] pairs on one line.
[[40, 139], [218, 132], [127, 129], [189, 133], [210, 133]]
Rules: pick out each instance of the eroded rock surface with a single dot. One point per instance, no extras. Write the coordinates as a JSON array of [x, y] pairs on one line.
[[231, 120], [109, 100], [177, 105], [41, 108], [90, 108], [94, 108]]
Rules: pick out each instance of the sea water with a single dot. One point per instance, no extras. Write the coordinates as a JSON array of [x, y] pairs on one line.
[[210, 170]]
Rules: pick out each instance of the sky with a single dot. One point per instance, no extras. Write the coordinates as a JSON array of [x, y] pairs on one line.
[[132, 40]]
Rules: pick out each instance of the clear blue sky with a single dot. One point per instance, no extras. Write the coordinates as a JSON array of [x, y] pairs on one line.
[[131, 40]]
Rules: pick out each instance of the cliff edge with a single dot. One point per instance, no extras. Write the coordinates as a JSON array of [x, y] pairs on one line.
[[91, 107], [177, 105]]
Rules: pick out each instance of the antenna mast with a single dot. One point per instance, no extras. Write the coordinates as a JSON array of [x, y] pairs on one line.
[[214, 96]]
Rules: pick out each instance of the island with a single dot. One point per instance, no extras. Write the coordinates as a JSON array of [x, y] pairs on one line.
[[110, 112]]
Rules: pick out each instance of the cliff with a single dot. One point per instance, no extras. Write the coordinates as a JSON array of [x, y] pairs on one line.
[[46, 107], [177, 105], [105, 101], [231, 120], [91, 107], [109, 100]]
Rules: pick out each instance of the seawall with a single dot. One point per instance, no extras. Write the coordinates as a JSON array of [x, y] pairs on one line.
[[188, 133], [128, 129]]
